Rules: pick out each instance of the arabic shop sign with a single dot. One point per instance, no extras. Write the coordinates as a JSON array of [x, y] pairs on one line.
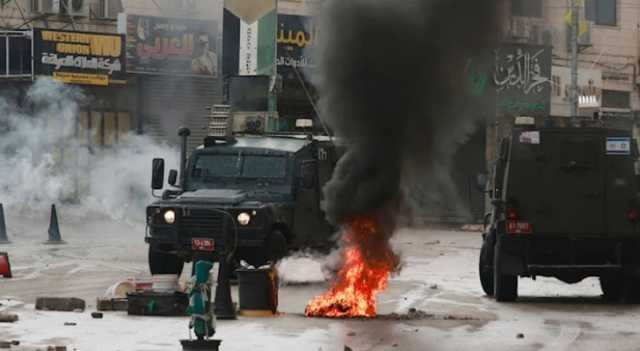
[[296, 39], [172, 46], [522, 78], [80, 57]]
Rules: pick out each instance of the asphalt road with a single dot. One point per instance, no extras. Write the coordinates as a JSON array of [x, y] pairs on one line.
[[434, 303]]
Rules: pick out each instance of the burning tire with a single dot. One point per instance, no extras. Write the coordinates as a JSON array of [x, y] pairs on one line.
[[505, 287], [164, 263], [486, 269]]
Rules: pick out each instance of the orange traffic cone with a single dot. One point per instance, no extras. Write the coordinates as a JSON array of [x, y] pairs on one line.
[[5, 266]]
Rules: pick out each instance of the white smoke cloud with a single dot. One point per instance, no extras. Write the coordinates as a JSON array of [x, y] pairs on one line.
[[42, 163]]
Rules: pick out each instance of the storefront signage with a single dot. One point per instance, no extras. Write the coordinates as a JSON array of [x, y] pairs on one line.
[[297, 36], [590, 82], [172, 46], [522, 78], [80, 57]]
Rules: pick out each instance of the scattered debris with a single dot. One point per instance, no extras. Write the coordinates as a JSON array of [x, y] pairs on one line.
[[520, 336], [64, 304], [8, 318], [415, 314], [472, 228], [107, 304], [70, 324], [97, 315], [351, 334]]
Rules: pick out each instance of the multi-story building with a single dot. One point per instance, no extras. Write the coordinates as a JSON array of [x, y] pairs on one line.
[[168, 54], [609, 41]]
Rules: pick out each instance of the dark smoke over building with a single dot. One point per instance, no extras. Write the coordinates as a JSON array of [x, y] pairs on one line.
[[391, 80]]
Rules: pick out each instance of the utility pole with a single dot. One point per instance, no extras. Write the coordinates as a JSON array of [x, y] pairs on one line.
[[575, 32]]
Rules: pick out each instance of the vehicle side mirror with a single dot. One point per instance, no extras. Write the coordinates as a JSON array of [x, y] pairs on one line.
[[481, 182], [308, 175], [157, 174], [173, 177]]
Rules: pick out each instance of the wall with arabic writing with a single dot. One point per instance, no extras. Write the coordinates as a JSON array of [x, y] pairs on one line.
[[522, 78]]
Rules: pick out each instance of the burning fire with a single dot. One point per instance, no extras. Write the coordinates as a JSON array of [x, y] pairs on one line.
[[367, 262]]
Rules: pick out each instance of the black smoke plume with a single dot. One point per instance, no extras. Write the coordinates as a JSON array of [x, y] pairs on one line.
[[391, 77]]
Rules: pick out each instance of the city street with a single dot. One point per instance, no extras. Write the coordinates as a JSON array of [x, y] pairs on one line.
[[435, 303]]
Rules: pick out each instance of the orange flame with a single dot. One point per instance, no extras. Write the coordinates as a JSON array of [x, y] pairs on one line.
[[367, 262]]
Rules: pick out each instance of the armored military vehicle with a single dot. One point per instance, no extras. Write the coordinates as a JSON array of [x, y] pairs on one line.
[[565, 205], [255, 194]]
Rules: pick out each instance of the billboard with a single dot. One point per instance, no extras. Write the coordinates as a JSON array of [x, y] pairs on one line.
[[80, 57], [249, 37], [296, 38], [172, 46], [522, 78]]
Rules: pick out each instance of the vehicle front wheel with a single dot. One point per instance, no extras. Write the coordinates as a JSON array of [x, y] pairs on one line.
[[486, 269], [505, 287], [164, 263]]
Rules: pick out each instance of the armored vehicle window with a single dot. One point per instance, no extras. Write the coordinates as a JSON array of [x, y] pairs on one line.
[[264, 166], [239, 166], [217, 166]]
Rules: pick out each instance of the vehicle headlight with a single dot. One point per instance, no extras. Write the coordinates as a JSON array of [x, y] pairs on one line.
[[244, 218], [170, 216]]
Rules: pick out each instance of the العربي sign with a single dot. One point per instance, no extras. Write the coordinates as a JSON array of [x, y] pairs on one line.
[[80, 57], [172, 46]]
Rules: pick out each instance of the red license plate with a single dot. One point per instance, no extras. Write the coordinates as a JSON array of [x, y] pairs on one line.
[[202, 244], [516, 227]]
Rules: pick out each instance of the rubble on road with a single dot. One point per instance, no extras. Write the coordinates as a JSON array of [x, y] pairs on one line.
[[109, 304], [8, 318], [63, 304]]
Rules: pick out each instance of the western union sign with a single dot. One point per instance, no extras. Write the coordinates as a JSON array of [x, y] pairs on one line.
[[80, 57]]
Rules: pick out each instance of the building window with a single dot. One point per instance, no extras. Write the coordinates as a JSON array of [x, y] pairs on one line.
[[616, 99], [526, 8], [603, 12]]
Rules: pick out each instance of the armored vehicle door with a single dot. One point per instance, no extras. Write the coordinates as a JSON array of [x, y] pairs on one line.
[[556, 181], [620, 182]]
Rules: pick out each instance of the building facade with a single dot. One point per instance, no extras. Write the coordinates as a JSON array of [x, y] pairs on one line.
[[170, 60]]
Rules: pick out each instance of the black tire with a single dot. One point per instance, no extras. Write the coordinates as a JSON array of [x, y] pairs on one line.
[[485, 269], [505, 287], [612, 287], [164, 263]]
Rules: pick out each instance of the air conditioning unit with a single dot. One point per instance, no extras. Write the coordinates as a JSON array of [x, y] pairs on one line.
[[108, 9], [45, 6], [76, 8], [524, 30]]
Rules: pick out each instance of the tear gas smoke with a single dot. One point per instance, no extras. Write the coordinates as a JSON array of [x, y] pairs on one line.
[[42, 161], [391, 79]]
